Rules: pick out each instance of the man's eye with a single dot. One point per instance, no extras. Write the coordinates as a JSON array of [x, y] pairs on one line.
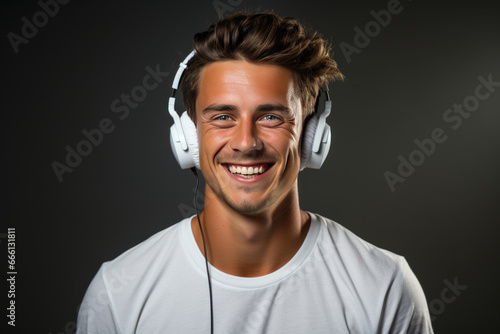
[[222, 118], [271, 120]]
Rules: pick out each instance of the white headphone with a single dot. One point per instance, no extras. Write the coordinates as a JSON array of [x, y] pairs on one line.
[[184, 139]]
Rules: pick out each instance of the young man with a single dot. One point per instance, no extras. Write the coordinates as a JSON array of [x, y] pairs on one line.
[[249, 89]]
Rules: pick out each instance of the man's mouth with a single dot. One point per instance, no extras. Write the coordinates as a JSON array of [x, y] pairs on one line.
[[248, 171]]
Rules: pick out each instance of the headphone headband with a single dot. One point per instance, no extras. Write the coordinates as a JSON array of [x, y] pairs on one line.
[[171, 102], [182, 67]]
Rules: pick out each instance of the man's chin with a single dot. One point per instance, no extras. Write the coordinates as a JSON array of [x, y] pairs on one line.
[[245, 201], [248, 206]]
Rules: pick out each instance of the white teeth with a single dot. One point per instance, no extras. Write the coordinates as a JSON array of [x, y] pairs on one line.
[[243, 170]]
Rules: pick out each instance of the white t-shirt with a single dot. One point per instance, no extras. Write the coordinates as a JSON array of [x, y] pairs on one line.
[[335, 283]]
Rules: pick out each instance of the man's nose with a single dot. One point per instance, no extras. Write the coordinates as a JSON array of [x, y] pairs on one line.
[[245, 138]]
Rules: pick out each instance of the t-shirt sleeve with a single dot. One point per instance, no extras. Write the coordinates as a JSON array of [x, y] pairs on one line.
[[406, 304], [96, 311]]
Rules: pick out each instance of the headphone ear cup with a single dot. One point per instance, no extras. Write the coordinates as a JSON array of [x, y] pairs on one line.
[[317, 158], [182, 156], [307, 141], [191, 138]]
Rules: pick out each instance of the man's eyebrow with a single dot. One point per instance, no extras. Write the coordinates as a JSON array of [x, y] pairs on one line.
[[273, 107], [219, 107], [261, 108]]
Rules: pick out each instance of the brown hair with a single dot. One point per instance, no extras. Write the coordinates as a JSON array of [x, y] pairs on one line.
[[263, 38]]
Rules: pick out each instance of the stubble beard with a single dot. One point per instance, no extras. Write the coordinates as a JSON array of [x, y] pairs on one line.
[[244, 207]]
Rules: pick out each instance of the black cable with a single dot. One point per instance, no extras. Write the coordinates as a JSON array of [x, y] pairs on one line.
[[205, 253]]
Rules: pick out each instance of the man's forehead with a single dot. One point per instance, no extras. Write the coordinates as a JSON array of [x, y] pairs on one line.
[[242, 71], [234, 77]]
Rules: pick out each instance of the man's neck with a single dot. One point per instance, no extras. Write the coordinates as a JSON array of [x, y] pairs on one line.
[[251, 245]]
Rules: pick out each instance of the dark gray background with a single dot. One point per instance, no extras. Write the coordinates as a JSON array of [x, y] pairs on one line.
[[443, 218]]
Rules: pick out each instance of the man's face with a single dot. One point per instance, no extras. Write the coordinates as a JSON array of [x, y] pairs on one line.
[[249, 121]]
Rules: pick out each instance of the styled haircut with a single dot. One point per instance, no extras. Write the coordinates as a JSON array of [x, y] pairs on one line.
[[268, 39]]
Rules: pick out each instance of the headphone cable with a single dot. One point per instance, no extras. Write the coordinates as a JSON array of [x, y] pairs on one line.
[[193, 169]]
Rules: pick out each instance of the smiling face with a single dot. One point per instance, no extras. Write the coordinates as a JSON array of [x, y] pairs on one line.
[[249, 121]]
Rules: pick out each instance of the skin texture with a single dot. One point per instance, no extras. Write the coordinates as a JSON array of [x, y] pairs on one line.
[[249, 115]]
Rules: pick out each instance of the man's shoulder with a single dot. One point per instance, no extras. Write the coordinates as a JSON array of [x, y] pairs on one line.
[[124, 283], [154, 250], [380, 276], [357, 254]]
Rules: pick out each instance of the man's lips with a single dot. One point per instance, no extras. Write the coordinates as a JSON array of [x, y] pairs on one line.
[[247, 170]]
